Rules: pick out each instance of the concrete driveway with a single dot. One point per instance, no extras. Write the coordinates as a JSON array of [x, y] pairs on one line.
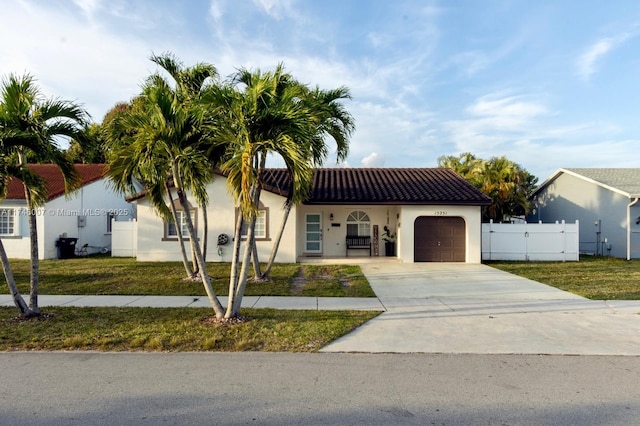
[[470, 308]]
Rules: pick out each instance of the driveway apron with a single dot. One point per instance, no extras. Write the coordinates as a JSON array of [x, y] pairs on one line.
[[473, 308]]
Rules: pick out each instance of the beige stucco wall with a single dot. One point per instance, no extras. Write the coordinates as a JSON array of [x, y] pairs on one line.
[[334, 232], [400, 219], [470, 214], [221, 216]]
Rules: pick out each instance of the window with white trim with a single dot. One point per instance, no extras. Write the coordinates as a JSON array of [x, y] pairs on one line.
[[171, 230], [358, 224], [261, 229], [7, 222]]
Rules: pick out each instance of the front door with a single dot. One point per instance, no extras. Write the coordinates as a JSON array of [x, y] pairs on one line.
[[313, 233]]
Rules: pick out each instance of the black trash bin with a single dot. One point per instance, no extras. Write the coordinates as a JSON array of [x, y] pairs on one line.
[[66, 247]]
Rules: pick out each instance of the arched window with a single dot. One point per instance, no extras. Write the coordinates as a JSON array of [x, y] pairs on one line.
[[358, 224]]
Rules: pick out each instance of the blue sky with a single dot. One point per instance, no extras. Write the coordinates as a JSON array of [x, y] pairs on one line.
[[549, 84]]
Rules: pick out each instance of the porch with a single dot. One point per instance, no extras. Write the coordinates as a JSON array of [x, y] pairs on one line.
[[351, 260]]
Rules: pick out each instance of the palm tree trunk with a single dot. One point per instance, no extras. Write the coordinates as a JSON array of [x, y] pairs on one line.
[[11, 283], [276, 243], [183, 251], [244, 272], [257, 274], [233, 275], [205, 231], [35, 261], [194, 263], [206, 280]]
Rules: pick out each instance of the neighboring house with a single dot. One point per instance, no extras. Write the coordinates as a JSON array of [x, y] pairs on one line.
[[85, 215], [605, 201], [434, 213]]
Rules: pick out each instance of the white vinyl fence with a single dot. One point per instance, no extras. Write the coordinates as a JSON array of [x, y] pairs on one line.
[[530, 241], [124, 238]]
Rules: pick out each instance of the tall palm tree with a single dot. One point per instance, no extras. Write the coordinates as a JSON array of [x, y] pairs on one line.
[[186, 87], [330, 118], [270, 113], [190, 84], [166, 141], [30, 127]]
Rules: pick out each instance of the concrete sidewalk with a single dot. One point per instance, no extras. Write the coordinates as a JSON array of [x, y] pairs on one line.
[[275, 302]]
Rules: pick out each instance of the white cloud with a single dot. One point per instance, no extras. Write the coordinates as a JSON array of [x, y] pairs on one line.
[[89, 7], [90, 64], [277, 9], [510, 106], [373, 160], [588, 61]]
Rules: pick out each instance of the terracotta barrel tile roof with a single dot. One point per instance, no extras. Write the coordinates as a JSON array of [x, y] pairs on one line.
[[53, 176], [383, 186]]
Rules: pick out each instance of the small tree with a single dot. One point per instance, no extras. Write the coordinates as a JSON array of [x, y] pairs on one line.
[[508, 184]]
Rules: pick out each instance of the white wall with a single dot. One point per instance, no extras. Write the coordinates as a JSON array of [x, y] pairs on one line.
[[470, 214], [93, 202], [17, 246], [60, 216], [531, 241]]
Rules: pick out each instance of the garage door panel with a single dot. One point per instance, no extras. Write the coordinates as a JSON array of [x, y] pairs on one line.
[[438, 239]]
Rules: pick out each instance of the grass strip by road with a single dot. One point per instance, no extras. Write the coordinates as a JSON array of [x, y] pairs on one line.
[[124, 276], [174, 330], [596, 278]]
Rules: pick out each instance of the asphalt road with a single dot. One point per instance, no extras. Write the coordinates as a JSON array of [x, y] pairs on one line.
[[88, 388]]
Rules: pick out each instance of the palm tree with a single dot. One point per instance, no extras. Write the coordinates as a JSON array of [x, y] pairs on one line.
[[30, 127], [271, 113], [508, 184], [330, 119], [187, 87], [166, 142]]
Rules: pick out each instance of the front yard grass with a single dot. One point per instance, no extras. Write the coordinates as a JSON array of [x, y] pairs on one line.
[[597, 278], [124, 276], [174, 330]]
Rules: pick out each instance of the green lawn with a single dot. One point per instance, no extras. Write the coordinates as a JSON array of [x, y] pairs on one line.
[[174, 330], [597, 278], [124, 276]]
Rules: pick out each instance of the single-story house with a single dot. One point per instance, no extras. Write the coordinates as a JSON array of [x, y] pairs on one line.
[[433, 213], [604, 201], [83, 218]]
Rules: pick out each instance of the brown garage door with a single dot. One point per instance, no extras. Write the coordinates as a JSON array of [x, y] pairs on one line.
[[439, 239]]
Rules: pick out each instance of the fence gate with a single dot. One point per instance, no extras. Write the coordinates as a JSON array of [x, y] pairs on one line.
[[530, 241]]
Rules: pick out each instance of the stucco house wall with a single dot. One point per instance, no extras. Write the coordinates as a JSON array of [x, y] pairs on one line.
[[153, 246], [388, 197], [603, 212], [95, 202], [472, 216]]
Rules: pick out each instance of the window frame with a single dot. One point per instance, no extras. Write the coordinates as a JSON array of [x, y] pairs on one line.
[[356, 218], [263, 216], [12, 221], [169, 236]]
